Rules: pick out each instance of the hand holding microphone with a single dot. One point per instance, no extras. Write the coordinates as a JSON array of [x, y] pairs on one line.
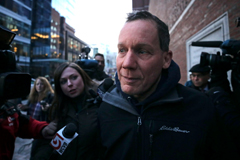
[[49, 131], [63, 137]]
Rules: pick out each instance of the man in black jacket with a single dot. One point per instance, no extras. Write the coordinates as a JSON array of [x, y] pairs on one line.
[[148, 114], [100, 74]]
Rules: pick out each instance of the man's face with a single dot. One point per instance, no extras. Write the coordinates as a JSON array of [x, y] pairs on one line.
[[140, 59], [101, 63], [200, 79]]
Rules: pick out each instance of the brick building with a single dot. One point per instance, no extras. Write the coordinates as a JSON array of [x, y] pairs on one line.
[[140, 4], [196, 20]]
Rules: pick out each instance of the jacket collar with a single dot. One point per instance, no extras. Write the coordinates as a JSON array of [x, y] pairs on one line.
[[169, 79]]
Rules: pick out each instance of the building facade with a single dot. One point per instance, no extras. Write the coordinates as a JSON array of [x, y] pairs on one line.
[[140, 5], [55, 50], [66, 9], [63, 46], [40, 38], [43, 38], [16, 16], [196, 20]]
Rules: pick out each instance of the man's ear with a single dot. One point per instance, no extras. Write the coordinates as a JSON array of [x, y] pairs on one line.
[[167, 58]]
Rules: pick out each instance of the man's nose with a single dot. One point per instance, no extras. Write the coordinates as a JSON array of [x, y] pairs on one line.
[[100, 63], [195, 77], [129, 60]]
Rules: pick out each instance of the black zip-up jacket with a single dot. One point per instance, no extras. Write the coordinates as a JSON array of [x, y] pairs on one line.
[[174, 123]]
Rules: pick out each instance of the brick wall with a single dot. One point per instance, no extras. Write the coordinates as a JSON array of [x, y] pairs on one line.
[[140, 4], [201, 13]]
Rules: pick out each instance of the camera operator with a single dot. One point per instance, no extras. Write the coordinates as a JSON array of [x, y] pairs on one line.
[[221, 63], [15, 85], [226, 101], [228, 112], [93, 68]]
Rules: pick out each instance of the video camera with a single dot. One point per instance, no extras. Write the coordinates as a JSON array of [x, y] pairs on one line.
[[88, 65], [230, 58], [13, 84], [220, 64]]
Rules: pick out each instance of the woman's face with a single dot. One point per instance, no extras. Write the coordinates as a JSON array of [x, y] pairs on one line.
[[71, 82], [39, 86]]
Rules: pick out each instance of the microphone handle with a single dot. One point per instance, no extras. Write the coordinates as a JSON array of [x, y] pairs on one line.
[[54, 155]]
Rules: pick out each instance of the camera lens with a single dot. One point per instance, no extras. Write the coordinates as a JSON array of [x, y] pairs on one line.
[[204, 59]]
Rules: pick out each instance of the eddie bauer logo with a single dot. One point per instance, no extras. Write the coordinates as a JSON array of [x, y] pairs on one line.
[[175, 129]]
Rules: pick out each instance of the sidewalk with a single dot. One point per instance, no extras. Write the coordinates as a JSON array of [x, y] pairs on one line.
[[22, 149]]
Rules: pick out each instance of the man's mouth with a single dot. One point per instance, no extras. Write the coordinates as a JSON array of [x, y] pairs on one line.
[[130, 79]]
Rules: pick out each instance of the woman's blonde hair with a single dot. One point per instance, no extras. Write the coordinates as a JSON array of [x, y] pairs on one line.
[[34, 96]]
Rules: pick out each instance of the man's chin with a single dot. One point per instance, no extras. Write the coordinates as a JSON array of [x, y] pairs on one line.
[[129, 90], [198, 86], [100, 69]]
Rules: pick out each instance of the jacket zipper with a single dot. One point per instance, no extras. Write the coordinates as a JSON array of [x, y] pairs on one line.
[[138, 139], [139, 123], [150, 139]]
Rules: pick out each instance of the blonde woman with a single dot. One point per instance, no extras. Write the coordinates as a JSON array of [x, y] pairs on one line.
[[39, 99]]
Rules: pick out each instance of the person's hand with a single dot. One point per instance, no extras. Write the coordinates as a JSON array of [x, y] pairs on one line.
[[22, 107], [45, 108], [49, 131]]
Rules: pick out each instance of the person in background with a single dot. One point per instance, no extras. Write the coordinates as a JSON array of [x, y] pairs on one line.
[[200, 78], [73, 103], [100, 74], [39, 99], [148, 114], [189, 82]]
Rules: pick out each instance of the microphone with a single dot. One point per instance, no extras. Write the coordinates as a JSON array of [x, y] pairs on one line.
[[63, 137], [92, 93], [102, 88], [207, 43], [107, 83]]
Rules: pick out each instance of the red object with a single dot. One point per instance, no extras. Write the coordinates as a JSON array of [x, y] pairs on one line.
[[15, 125]]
